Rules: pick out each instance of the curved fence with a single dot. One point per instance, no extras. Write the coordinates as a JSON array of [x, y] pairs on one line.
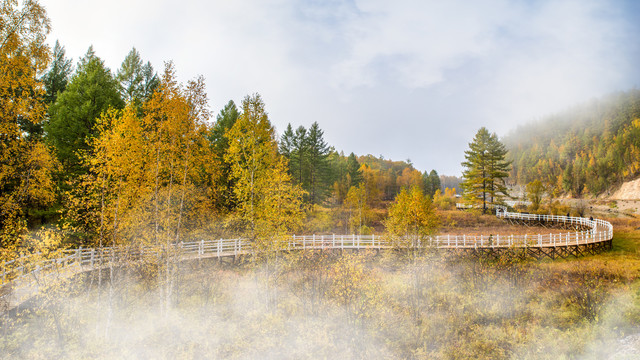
[[26, 272]]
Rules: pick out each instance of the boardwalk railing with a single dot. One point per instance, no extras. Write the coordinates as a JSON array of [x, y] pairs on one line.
[[20, 272]]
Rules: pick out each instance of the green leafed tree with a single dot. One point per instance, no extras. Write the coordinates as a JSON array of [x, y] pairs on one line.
[[300, 157], [285, 146], [220, 143], [353, 170], [485, 170], [431, 182], [137, 79], [91, 92], [308, 155], [318, 171], [57, 77]]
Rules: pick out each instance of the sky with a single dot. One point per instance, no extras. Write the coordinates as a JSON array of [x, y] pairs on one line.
[[399, 79]]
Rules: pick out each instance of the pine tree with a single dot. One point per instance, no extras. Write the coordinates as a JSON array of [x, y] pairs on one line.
[[498, 169], [220, 143], [486, 170], [137, 80], [300, 157], [56, 79], [318, 171], [353, 170], [91, 92], [435, 183], [285, 146]]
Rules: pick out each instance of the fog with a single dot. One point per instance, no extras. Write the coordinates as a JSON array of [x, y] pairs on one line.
[[327, 305]]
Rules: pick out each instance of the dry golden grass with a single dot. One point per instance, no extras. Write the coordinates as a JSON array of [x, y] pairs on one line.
[[456, 222]]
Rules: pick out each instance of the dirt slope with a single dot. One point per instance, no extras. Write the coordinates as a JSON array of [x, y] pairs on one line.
[[628, 191]]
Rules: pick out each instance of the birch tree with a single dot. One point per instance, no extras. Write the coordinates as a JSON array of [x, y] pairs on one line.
[[26, 165], [268, 204]]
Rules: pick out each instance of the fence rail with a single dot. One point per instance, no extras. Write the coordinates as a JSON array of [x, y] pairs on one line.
[[22, 271]]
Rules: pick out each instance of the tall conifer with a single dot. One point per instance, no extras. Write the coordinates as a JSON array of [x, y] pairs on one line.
[[486, 170]]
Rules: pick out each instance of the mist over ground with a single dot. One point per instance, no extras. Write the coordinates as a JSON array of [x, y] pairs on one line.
[[328, 305]]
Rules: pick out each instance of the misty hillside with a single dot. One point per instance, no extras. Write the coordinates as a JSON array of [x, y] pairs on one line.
[[584, 150]]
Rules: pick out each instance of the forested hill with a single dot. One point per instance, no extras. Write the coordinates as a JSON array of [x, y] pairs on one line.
[[584, 150]]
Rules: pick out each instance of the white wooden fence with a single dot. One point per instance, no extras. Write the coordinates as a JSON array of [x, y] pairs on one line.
[[23, 271]]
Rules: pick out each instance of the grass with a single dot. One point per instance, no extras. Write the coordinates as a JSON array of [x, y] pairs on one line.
[[473, 223], [353, 305]]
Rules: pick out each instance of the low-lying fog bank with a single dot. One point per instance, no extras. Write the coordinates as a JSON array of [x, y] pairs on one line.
[[330, 305]]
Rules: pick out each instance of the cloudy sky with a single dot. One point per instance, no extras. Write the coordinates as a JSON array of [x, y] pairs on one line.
[[402, 79]]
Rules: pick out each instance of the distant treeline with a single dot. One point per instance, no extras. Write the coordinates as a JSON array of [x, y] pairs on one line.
[[584, 150]]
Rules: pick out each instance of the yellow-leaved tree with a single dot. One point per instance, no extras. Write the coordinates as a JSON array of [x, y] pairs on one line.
[[357, 208], [26, 164], [269, 204], [151, 178], [411, 220]]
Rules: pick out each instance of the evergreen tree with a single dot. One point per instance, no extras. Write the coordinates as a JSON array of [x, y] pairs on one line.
[[435, 182], [91, 92], [150, 81], [353, 170], [426, 183], [498, 169], [137, 80], [299, 157], [486, 170], [224, 121], [431, 183], [318, 172], [56, 79], [220, 143], [286, 142]]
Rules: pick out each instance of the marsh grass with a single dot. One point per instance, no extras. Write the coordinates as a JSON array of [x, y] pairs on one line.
[[351, 305]]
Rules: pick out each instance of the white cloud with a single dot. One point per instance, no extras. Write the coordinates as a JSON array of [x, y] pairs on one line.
[[405, 79]]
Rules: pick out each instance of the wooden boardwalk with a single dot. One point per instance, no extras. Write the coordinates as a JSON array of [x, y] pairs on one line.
[[24, 276]]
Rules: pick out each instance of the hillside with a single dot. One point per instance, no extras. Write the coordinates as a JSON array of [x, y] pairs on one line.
[[630, 190], [587, 149]]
